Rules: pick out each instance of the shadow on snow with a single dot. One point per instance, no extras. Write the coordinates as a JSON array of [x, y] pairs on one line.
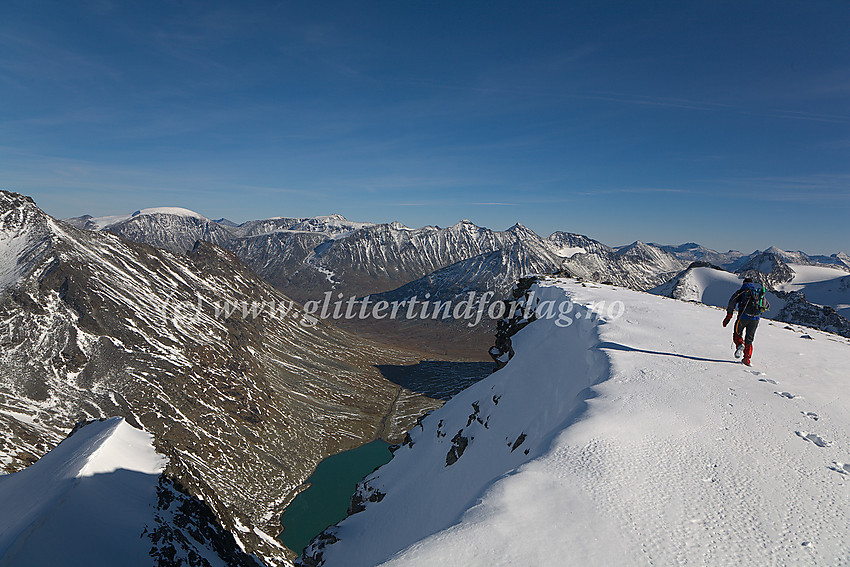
[[617, 346]]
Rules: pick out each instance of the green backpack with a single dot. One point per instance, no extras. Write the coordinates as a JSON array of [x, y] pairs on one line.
[[757, 302]]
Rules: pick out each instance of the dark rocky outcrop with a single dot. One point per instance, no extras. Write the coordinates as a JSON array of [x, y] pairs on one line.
[[518, 316], [187, 529], [459, 445], [799, 311]]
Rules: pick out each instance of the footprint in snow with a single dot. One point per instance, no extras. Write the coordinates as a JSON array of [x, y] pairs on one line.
[[842, 468], [811, 415], [769, 381], [788, 395], [816, 439]]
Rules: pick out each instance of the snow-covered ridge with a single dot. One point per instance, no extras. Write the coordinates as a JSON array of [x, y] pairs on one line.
[[100, 498], [636, 439], [90, 498]]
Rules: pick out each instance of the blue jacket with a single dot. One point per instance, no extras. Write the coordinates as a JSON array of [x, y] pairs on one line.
[[741, 299]]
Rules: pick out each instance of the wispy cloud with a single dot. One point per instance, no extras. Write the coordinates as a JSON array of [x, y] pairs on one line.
[[453, 202], [636, 190], [816, 187], [279, 190], [643, 100], [710, 106]]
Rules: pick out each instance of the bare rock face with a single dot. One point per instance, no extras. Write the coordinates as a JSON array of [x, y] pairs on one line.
[[186, 529], [767, 268], [799, 311], [519, 314], [638, 266], [242, 393]]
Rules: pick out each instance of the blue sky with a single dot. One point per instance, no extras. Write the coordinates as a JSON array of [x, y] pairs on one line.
[[724, 123]]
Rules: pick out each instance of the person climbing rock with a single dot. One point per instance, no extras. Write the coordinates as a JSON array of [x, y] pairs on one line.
[[751, 303]]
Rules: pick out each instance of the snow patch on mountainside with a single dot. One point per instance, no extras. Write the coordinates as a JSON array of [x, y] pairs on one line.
[[635, 440], [175, 211], [11, 248], [569, 251], [99, 223]]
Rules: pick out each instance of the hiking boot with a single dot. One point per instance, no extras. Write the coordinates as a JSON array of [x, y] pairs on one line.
[[748, 354], [739, 352]]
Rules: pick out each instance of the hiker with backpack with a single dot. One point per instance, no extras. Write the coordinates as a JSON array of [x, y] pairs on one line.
[[751, 303]]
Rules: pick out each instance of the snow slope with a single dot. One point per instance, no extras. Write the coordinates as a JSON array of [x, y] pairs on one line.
[[101, 498], [821, 285], [91, 498], [646, 444], [23, 238], [712, 287]]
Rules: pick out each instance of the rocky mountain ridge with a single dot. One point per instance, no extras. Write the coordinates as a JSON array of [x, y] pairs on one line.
[[307, 257], [93, 325]]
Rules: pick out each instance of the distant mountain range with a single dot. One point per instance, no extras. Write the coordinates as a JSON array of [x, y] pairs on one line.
[[311, 255], [305, 257]]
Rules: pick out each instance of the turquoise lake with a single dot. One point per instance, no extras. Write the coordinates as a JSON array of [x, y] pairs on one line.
[[326, 501]]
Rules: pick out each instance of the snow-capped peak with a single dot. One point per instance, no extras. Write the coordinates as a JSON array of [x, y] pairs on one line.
[[464, 224], [123, 447], [24, 232], [522, 231], [175, 211], [636, 245], [100, 498]]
